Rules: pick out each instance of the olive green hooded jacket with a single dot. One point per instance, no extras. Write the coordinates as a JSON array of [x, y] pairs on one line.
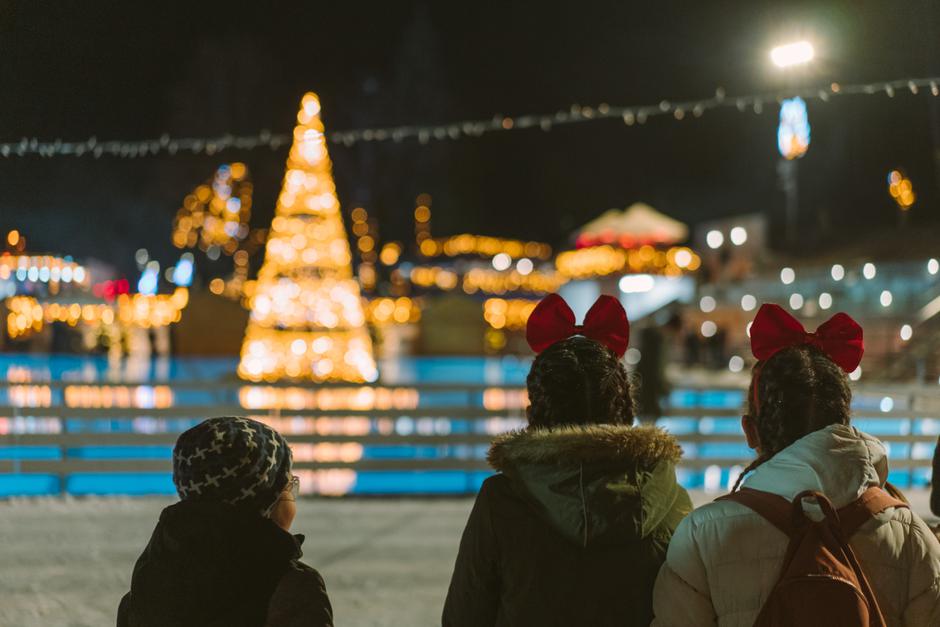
[[572, 531]]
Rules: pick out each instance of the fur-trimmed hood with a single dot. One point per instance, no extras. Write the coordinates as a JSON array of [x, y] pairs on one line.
[[596, 484], [576, 444]]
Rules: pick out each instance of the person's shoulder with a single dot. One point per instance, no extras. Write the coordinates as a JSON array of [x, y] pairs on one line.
[[717, 511], [499, 494], [495, 483], [303, 571], [300, 593]]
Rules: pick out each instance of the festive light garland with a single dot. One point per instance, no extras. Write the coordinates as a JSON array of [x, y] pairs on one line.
[[217, 212], [42, 269], [28, 315], [594, 261], [509, 314], [637, 114]]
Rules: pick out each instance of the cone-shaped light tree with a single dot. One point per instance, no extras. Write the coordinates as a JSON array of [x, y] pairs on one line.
[[307, 320]]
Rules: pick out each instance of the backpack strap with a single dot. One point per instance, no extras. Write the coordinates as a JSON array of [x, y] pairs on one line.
[[775, 509], [872, 502]]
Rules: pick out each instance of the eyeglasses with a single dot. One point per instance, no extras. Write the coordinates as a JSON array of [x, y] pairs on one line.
[[294, 486]]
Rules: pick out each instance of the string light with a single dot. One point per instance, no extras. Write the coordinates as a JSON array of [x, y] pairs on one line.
[[508, 314], [216, 213], [305, 292], [41, 269], [485, 246], [423, 224], [603, 260], [630, 115], [28, 315], [401, 310], [495, 282]]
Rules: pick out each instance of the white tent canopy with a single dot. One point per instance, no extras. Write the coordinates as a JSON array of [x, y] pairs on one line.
[[638, 224]]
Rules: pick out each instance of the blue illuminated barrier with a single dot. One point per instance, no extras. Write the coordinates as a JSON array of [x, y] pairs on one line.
[[83, 439]]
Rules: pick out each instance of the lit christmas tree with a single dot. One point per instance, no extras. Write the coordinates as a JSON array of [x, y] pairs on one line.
[[307, 319]]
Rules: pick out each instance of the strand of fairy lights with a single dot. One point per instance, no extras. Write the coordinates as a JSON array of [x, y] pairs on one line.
[[630, 115]]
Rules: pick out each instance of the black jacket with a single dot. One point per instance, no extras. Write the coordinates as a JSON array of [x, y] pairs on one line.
[[572, 532], [214, 565]]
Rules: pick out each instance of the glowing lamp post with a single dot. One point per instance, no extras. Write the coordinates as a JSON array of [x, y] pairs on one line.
[[793, 133], [792, 54]]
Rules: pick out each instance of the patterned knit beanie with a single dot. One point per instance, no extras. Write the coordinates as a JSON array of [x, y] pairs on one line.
[[238, 461]]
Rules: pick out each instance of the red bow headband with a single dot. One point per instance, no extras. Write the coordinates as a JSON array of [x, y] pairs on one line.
[[553, 321], [840, 337]]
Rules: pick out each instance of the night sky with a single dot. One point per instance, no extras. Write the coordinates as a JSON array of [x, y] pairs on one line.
[[123, 70]]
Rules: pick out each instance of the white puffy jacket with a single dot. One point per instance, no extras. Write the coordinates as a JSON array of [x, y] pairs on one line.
[[724, 559]]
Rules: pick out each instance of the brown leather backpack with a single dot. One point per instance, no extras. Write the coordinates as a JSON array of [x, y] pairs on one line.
[[821, 582]]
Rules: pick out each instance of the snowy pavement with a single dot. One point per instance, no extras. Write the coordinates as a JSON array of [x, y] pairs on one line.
[[66, 562]]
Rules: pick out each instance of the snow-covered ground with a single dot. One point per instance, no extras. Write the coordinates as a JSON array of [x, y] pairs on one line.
[[66, 562]]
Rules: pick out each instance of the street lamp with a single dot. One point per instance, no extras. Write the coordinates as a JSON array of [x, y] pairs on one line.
[[793, 131], [796, 53]]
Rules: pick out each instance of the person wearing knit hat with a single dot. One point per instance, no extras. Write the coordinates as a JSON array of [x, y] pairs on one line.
[[224, 554]]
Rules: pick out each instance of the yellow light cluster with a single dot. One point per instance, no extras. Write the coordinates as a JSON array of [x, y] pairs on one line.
[[217, 212], [272, 354], [142, 396], [305, 241], [16, 241], [434, 276], [902, 190], [423, 220], [500, 399], [356, 398], [307, 303], [307, 318], [326, 452], [365, 240], [508, 314], [158, 310], [467, 244], [603, 260], [393, 310], [390, 253], [495, 282], [42, 269], [27, 315]]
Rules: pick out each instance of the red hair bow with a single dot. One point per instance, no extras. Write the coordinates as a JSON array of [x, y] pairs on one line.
[[840, 337], [553, 321]]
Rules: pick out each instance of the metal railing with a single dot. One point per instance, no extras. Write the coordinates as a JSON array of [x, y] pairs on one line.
[[372, 439]]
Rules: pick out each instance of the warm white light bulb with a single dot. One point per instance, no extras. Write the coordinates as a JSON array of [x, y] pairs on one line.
[[791, 54]]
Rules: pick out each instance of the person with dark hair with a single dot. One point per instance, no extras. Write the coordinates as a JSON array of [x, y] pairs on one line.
[[725, 559], [574, 527], [223, 556]]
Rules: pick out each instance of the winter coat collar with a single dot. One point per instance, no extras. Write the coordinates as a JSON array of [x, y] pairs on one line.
[[576, 444], [840, 461]]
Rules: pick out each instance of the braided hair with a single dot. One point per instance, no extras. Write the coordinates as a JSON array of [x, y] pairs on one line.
[[799, 390], [578, 381]]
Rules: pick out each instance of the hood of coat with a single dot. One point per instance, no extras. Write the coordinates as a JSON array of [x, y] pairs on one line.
[[210, 559], [596, 484], [840, 461]]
